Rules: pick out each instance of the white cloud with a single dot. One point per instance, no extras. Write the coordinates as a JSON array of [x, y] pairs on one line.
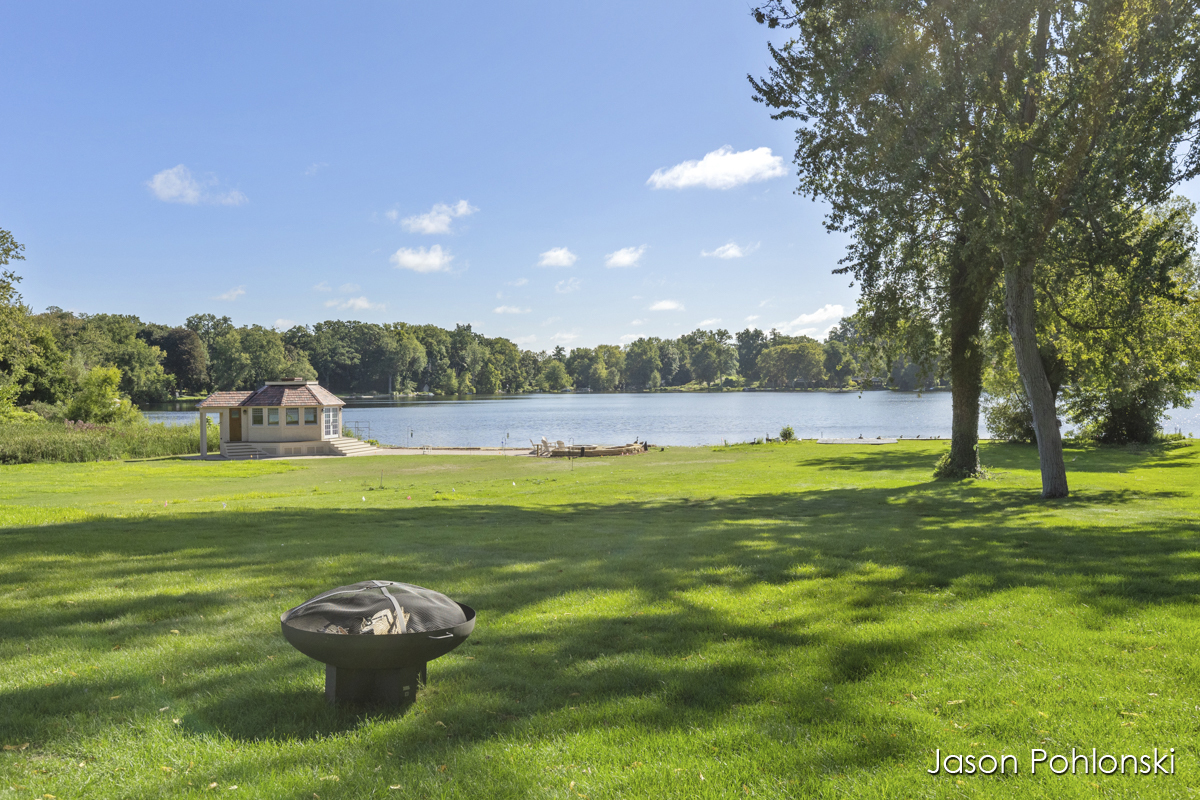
[[810, 324], [567, 286], [557, 257], [176, 185], [731, 250], [313, 169], [706, 322], [627, 338], [519, 340], [509, 310], [721, 169], [564, 338], [353, 304], [667, 305], [421, 260], [519, 282], [752, 317], [625, 257], [349, 288], [438, 219], [323, 287], [284, 324], [232, 294], [637, 322], [764, 304]]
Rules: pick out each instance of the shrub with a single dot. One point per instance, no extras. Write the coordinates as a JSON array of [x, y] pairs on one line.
[[99, 400], [786, 433], [87, 441]]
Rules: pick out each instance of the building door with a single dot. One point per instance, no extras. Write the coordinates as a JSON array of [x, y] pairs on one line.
[[235, 424]]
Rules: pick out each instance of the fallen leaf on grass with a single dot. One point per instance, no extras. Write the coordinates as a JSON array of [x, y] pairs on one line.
[[16, 746], [166, 769], [164, 708], [331, 778], [212, 786], [442, 768], [1132, 714], [1044, 714], [397, 786], [174, 631], [115, 697], [954, 702]]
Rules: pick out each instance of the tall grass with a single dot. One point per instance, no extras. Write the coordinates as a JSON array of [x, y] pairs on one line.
[[70, 442]]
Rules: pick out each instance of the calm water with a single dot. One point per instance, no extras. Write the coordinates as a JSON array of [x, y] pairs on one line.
[[667, 419]]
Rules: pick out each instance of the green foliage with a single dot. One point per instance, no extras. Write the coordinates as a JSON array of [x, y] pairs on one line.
[[555, 377], [489, 379], [99, 399], [787, 364], [787, 433], [642, 362], [42, 441]]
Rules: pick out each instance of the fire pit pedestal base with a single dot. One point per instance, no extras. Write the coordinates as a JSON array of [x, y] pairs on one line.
[[384, 687]]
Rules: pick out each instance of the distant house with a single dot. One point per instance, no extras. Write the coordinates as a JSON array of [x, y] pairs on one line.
[[290, 417]]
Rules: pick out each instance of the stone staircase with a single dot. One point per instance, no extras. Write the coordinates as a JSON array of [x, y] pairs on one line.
[[349, 446], [241, 451], [341, 446]]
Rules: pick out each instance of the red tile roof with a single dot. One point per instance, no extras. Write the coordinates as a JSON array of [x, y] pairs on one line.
[[304, 395]]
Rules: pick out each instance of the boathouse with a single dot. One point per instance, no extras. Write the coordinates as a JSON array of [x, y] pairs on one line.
[[289, 417]]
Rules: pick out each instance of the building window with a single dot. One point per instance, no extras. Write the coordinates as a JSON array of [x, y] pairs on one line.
[[292, 416], [331, 422], [256, 416], [310, 416], [272, 416]]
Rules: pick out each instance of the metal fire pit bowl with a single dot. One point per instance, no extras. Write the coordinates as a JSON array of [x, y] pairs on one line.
[[384, 669]]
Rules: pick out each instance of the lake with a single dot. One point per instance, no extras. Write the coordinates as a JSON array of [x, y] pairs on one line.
[[667, 418]]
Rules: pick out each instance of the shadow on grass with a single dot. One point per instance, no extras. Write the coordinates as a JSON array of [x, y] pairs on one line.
[[658, 658]]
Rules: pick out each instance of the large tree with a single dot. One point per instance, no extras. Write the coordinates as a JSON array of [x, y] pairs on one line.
[[969, 130]]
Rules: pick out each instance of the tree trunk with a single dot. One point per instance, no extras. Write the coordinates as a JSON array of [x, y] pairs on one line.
[[1022, 324], [968, 299]]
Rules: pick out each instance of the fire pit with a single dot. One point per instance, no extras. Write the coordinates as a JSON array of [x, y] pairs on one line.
[[376, 637]]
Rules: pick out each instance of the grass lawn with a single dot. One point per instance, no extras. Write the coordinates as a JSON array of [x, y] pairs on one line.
[[775, 621]]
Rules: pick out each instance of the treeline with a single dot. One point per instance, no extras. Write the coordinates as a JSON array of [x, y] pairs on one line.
[[208, 353]]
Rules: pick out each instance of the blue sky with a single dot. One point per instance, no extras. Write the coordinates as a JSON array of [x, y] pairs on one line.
[[521, 166]]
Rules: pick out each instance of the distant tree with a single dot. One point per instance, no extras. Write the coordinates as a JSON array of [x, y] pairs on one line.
[[839, 364], [641, 362], [712, 354], [489, 379], [555, 376], [750, 343], [785, 364], [228, 364], [674, 363], [184, 355], [600, 378]]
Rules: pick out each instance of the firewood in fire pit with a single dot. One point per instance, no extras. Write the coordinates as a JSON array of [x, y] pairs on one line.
[[381, 623], [331, 628]]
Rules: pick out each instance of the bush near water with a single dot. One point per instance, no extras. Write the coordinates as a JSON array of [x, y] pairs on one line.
[[85, 441]]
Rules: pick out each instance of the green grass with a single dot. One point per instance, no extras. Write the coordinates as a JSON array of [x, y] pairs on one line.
[[776, 621]]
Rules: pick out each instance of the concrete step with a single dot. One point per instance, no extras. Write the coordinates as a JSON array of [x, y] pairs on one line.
[[241, 451], [349, 446]]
